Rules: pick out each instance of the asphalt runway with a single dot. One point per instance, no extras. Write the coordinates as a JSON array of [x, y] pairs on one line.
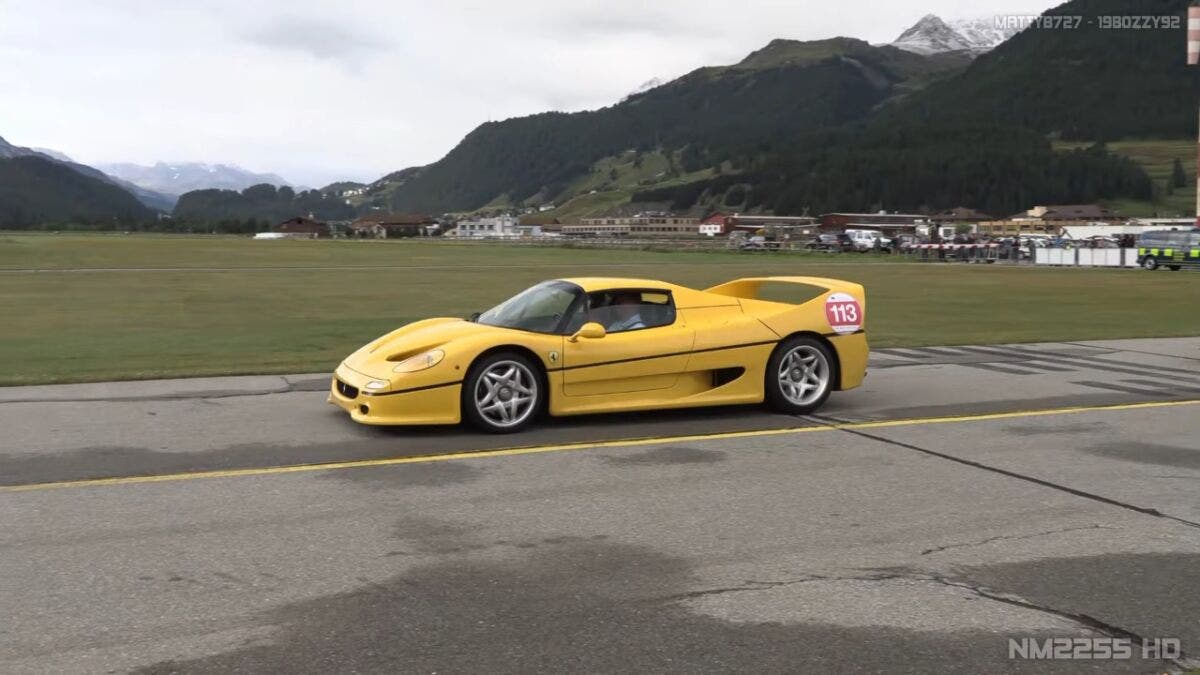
[[963, 498]]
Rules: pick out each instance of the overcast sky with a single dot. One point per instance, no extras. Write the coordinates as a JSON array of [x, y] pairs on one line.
[[318, 91]]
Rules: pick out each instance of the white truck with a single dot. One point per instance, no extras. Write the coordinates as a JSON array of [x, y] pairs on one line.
[[864, 240]]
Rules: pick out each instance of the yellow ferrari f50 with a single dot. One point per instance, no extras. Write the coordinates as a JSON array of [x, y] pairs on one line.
[[592, 345]]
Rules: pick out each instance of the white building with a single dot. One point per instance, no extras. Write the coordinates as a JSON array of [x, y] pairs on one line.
[[484, 228], [1132, 226]]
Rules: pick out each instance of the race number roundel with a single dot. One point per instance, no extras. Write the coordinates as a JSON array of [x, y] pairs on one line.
[[844, 313]]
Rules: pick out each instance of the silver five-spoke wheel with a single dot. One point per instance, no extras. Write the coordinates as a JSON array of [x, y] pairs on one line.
[[803, 375], [506, 394]]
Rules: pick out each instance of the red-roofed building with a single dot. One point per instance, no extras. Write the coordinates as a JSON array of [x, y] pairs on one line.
[[385, 225], [303, 228]]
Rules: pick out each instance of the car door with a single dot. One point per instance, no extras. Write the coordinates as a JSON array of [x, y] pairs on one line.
[[630, 360]]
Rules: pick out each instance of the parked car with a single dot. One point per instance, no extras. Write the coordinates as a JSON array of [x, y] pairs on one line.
[[831, 242]]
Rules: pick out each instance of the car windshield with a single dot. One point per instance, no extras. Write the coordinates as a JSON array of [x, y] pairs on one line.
[[539, 309]]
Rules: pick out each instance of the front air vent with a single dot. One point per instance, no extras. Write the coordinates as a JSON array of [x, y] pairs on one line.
[[347, 390]]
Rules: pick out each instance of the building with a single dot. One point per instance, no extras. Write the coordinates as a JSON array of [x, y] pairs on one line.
[[487, 228], [1134, 226], [651, 224], [778, 225], [959, 214], [890, 224], [1163, 223], [717, 223], [1050, 220], [1079, 213], [581, 230], [392, 225], [649, 218], [302, 228], [544, 223]]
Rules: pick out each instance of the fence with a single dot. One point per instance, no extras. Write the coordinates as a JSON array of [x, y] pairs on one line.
[[1087, 257], [981, 253]]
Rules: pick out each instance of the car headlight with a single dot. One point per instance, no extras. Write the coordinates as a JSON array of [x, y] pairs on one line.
[[421, 361]]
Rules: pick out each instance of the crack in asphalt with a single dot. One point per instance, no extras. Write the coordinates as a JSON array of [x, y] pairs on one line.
[[989, 540], [835, 423], [750, 585], [1087, 621]]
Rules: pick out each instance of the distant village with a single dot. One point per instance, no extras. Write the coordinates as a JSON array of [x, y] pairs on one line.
[[1068, 221]]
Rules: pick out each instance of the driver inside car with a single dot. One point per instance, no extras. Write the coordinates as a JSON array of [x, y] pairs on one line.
[[622, 313]]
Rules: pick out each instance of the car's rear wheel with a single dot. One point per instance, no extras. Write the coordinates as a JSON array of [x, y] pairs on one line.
[[502, 393], [800, 375], [1174, 268], [1150, 263]]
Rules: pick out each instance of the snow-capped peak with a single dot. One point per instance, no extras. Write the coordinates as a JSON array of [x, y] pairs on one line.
[[932, 35], [176, 178]]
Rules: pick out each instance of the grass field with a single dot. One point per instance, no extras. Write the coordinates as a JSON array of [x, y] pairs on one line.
[[232, 305]]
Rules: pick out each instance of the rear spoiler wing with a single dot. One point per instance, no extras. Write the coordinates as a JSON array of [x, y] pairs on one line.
[[747, 289]]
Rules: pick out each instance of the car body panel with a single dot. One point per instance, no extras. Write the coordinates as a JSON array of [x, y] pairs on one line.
[[636, 360], [714, 353]]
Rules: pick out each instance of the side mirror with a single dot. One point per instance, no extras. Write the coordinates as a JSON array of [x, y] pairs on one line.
[[474, 317], [590, 330]]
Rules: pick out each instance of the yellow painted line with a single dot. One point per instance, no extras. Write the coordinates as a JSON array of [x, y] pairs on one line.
[[563, 447]]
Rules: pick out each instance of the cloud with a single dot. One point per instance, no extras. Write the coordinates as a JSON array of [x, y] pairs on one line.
[[314, 90], [319, 38]]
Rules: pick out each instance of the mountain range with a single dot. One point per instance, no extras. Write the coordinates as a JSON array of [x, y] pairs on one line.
[[148, 197], [176, 178], [802, 109], [696, 121], [932, 35], [940, 118], [37, 189]]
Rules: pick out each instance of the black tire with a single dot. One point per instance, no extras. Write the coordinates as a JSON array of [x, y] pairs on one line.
[[1174, 268], [1149, 263], [474, 388], [773, 388]]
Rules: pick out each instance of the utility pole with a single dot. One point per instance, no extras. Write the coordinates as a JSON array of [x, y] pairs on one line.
[[1193, 58]]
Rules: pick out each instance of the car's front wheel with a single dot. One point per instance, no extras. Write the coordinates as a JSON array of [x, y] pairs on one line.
[[502, 393], [800, 375], [1150, 263]]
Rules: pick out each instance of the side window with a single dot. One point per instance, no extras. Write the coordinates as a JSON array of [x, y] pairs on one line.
[[624, 310]]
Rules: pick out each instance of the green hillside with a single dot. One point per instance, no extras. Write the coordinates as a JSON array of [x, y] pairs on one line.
[[840, 124], [255, 208], [1157, 158], [36, 192], [706, 117], [922, 169], [1076, 83]]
